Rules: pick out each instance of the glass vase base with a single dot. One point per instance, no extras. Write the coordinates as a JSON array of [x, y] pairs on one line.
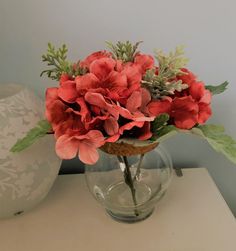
[[130, 219]]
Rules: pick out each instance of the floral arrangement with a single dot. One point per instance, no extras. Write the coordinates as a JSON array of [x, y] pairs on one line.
[[124, 94]]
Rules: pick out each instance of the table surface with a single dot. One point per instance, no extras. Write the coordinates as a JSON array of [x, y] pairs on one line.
[[192, 216]]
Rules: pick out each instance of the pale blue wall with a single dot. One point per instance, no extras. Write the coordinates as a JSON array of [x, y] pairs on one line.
[[206, 27]]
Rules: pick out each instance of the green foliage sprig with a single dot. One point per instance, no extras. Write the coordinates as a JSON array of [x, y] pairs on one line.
[[124, 51], [164, 83], [158, 87], [57, 58], [170, 64]]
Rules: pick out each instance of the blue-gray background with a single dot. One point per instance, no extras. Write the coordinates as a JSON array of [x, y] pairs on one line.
[[206, 27]]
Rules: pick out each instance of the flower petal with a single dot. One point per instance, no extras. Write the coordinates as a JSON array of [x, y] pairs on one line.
[[84, 111], [146, 98], [133, 74], [197, 90], [65, 78], [125, 113], [119, 65], [117, 80], [186, 121], [185, 112], [136, 116], [206, 98], [111, 126], [94, 56], [97, 122], [113, 138], [87, 153], [155, 108], [72, 125], [130, 125], [204, 113], [67, 147], [67, 91], [134, 101], [98, 100], [86, 82], [145, 61], [96, 138], [187, 78], [145, 132], [102, 67], [55, 112], [51, 95]]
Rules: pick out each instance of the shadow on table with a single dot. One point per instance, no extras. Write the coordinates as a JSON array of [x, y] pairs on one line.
[[75, 166], [71, 166]]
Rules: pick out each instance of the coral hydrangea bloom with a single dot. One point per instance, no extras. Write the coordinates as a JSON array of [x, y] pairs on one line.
[[193, 105]]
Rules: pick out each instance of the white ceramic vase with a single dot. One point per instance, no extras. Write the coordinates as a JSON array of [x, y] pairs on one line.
[[25, 177]]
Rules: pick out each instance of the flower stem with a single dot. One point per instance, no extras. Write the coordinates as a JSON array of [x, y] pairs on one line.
[[129, 182], [137, 175]]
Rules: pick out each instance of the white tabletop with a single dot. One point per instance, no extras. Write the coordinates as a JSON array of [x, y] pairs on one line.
[[192, 216]]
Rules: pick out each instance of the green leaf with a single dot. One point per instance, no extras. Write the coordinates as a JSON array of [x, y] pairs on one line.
[[218, 88], [42, 128], [219, 141], [160, 130], [159, 122]]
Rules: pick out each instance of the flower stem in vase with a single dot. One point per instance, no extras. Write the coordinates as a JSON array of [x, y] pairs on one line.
[[130, 183], [138, 172]]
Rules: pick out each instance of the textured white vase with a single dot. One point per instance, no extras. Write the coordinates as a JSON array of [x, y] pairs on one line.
[[25, 177]]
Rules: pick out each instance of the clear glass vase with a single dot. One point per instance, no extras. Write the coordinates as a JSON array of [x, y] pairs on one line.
[[130, 186]]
